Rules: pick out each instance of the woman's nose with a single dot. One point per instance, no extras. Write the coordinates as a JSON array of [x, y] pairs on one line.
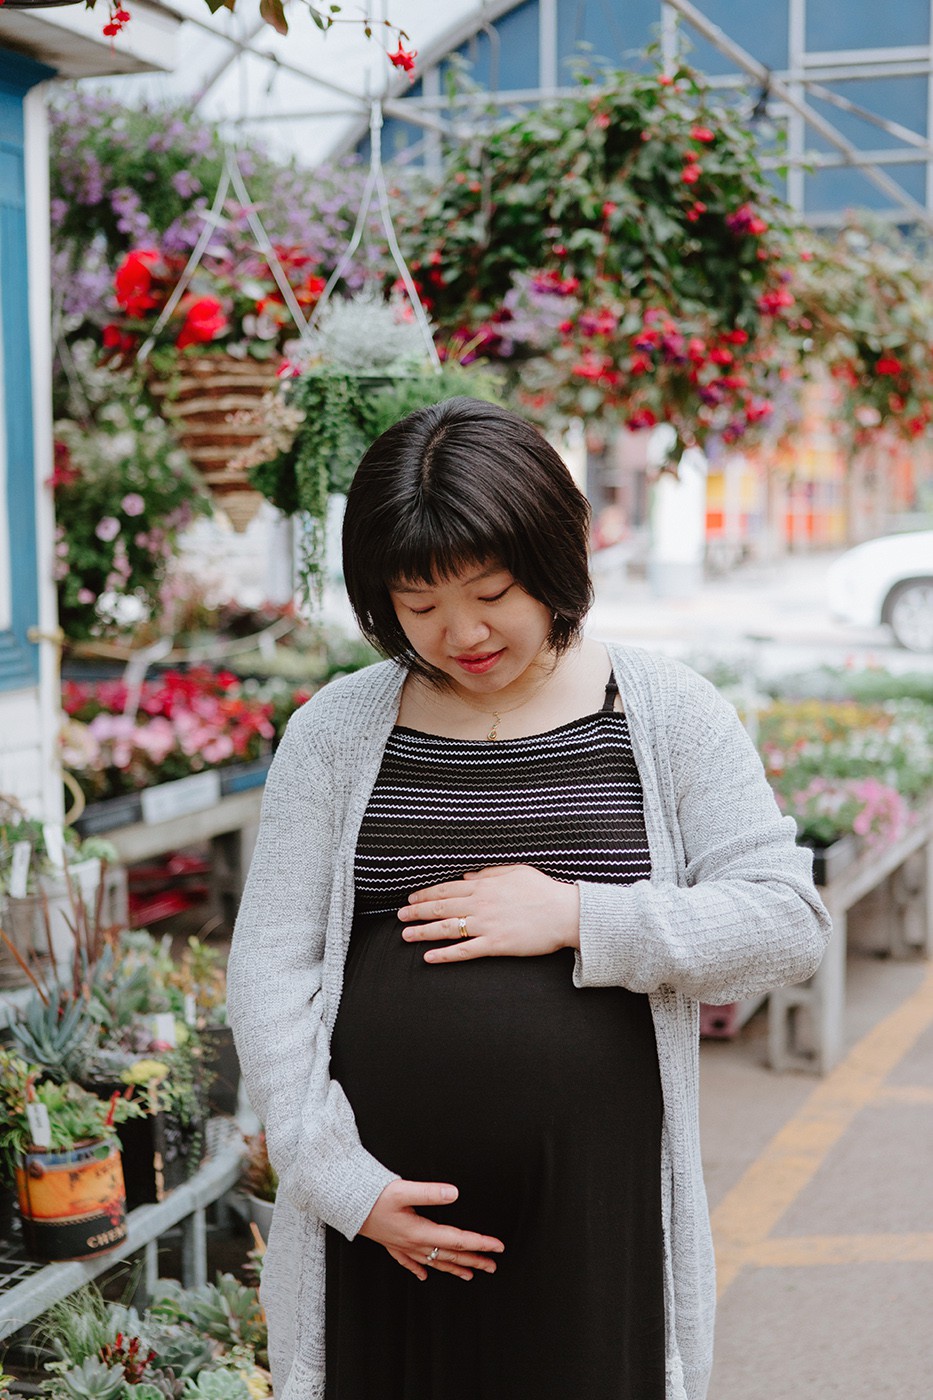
[[465, 630]]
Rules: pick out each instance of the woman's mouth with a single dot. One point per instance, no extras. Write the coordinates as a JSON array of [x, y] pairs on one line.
[[479, 662]]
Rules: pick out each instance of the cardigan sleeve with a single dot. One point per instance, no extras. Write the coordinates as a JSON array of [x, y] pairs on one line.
[[746, 916], [274, 996]]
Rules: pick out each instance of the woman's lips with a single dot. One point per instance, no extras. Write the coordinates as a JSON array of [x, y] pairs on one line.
[[479, 663]]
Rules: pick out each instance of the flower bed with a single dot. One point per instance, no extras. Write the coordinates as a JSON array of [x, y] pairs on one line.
[[185, 723], [840, 767]]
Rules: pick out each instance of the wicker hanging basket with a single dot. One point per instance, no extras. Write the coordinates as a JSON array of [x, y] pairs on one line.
[[208, 400]]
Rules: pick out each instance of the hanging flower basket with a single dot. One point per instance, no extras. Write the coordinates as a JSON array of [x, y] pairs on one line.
[[210, 400]]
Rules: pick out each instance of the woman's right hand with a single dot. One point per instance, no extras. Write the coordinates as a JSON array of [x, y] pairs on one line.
[[410, 1238]]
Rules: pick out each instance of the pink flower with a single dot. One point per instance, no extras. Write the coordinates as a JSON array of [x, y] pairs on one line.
[[107, 528], [133, 504], [86, 596]]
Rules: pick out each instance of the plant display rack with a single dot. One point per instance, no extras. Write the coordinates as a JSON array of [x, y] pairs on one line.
[[806, 1023], [28, 1289]]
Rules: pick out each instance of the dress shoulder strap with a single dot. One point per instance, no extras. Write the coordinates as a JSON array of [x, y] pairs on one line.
[[612, 690]]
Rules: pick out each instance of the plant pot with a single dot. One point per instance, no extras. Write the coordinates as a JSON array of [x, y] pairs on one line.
[[260, 1212], [22, 923], [72, 1204], [220, 1060], [208, 401], [159, 1151]]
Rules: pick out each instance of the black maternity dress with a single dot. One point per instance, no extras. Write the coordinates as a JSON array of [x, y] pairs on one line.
[[539, 1100]]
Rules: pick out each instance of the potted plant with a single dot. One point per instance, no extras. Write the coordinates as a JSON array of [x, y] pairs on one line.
[[201, 978], [365, 366], [259, 1182], [70, 1189]]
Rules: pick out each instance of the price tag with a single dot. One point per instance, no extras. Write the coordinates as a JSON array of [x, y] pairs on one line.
[[163, 1028], [191, 1009], [19, 870], [40, 1129], [54, 844]]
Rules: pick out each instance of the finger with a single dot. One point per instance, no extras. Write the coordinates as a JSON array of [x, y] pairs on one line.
[[409, 1262], [433, 908], [425, 1193], [488, 872], [448, 890], [464, 1259], [448, 1240], [430, 933], [447, 1267], [464, 950]]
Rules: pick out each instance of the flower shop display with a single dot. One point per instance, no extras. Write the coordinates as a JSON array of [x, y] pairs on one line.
[[68, 1173], [185, 723], [123, 492], [51, 892], [621, 252], [259, 1182], [206, 1342]]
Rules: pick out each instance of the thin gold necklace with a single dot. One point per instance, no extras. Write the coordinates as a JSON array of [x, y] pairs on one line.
[[493, 734]]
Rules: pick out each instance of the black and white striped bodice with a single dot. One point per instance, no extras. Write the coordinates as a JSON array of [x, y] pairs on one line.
[[568, 802]]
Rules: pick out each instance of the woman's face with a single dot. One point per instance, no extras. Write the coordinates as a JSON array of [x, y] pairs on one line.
[[479, 627]]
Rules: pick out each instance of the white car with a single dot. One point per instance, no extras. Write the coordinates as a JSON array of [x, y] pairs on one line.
[[887, 581]]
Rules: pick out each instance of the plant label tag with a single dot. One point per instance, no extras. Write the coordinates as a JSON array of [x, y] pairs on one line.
[[54, 844], [191, 1009], [19, 869], [40, 1129], [163, 1028]]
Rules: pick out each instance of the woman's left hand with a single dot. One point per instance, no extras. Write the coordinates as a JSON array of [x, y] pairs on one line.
[[512, 911]]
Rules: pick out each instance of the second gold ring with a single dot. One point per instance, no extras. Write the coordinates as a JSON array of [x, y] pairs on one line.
[[462, 928]]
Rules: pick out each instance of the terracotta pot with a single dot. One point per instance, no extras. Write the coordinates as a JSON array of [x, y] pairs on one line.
[[206, 401], [72, 1204]]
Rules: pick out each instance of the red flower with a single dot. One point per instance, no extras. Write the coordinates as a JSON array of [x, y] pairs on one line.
[[695, 210], [721, 356], [889, 364], [205, 321], [641, 418], [736, 337], [609, 209], [132, 281], [403, 58], [665, 81], [690, 174], [772, 302], [745, 220], [639, 364], [602, 120], [702, 133]]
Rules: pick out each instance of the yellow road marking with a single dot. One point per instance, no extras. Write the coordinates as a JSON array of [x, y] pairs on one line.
[[803, 1251], [910, 1095], [746, 1216]]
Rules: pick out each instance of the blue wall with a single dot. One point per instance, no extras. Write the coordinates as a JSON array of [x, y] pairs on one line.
[[19, 659]]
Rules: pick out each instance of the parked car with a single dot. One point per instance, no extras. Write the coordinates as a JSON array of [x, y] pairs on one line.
[[889, 582]]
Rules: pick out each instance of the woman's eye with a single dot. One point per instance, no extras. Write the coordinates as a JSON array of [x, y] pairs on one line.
[[497, 596], [420, 612]]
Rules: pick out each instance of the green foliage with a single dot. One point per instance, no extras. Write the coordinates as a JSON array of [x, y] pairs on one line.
[[226, 1310], [14, 1075], [341, 415], [60, 1036], [75, 1116]]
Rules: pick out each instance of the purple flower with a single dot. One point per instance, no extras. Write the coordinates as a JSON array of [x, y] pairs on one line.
[[133, 504], [185, 184], [107, 528]]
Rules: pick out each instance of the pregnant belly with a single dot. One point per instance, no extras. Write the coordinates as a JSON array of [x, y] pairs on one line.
[[484, 1072]]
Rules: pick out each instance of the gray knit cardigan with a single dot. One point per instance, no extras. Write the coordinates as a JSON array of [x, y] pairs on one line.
[[730, 910]]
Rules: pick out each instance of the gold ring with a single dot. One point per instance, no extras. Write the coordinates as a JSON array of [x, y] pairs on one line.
[[430, 1258], [461, 926]]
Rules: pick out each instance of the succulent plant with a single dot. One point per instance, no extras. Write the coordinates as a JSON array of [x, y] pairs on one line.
[[227, 1310], [92, 1380], [181, 1351], [217, 1385], [61, 1036]]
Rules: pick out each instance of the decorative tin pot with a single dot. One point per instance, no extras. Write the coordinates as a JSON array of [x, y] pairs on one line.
[[72, 1203]]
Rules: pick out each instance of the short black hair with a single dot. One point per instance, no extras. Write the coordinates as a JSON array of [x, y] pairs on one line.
[[461, 483]]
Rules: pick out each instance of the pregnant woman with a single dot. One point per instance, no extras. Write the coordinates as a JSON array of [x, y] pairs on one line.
[[495, 875]]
